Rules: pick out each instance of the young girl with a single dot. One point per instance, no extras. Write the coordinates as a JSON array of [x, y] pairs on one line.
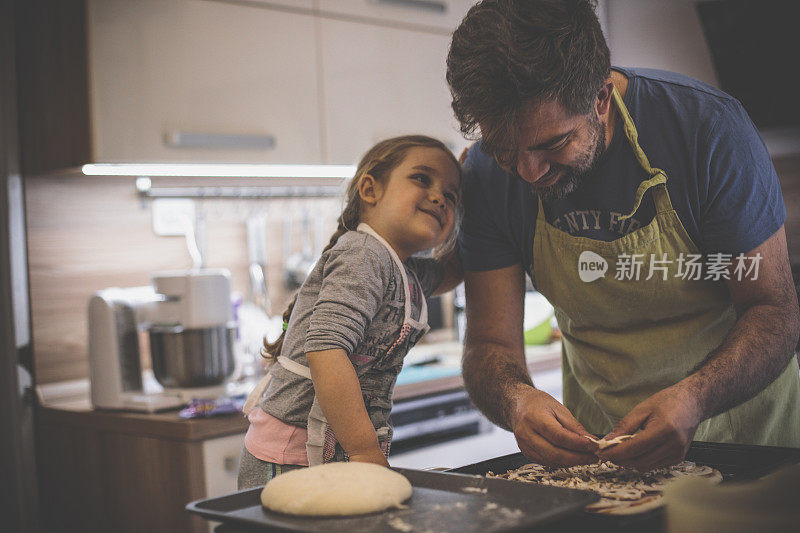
[[328, 393]]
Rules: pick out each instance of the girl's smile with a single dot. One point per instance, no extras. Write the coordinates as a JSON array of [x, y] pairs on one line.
[[436, 215]]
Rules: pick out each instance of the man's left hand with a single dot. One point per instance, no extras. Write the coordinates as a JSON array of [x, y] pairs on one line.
[[663, 425]]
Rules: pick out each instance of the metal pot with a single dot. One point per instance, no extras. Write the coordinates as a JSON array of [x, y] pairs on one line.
[[192, 357]]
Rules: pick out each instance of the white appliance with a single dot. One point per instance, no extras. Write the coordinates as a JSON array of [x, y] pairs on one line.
[[188, 318]]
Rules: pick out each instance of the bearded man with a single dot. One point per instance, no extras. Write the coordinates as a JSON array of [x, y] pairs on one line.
[[644, 205]]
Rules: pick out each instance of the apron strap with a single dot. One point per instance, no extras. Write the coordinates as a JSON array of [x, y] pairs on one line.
[[423, 314], [658, 177], [661, 198], [633, 136], [255, 395], [261, 387], [294, 367]]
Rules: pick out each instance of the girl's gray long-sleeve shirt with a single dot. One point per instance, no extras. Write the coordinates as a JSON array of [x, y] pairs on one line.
[[353, 299]]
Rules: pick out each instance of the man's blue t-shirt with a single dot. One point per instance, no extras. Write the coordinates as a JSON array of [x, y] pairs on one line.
[[720, 179]]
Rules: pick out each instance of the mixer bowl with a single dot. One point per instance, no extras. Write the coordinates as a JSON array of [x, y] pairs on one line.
[[184, 358]]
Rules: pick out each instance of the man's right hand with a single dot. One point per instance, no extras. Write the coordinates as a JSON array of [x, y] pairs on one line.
[[547, 433]]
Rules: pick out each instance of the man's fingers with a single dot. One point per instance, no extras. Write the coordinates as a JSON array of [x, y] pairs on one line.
[[571, 423], [565, 432], [547, 432], [561, 446], [531, 454], [551, 455], [538, 447], [641, 443], [630, 423]]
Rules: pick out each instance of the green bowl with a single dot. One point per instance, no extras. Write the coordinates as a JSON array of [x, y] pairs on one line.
[[540, 334]]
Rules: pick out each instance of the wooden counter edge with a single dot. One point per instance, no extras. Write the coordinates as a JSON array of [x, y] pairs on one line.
[[160, 425]]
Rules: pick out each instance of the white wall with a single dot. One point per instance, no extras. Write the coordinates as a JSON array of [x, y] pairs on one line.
[[663, 34]]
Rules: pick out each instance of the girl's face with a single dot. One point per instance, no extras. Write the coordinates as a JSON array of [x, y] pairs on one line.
[[414, 209]]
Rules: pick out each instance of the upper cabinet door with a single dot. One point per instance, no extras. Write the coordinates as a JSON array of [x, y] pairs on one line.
[[192, 80], [441, 14], [380, 82]]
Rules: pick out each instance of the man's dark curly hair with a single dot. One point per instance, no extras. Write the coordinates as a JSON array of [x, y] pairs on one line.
[[508, 54]]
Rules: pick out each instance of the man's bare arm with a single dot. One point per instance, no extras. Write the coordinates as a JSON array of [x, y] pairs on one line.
[[497, 377], [761, 343], [754, 353], [494, 351], [453, 271]]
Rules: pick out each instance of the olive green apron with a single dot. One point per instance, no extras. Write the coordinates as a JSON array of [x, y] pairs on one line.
[[626, 339]]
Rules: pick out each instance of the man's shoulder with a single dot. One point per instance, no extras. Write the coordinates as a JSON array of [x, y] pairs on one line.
[[661, 102], [477, 159], [647, 80], [483, 176]]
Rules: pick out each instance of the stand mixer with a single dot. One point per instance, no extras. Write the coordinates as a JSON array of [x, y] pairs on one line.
[[188, 318]]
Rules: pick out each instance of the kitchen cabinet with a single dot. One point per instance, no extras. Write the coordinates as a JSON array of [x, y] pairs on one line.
[[221, 463], [161, 68], [380, 82], [436, 14], [111, 471], [283, 82], [296, 4]]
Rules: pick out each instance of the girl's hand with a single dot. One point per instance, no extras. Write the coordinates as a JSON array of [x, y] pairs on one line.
[[374, 456]]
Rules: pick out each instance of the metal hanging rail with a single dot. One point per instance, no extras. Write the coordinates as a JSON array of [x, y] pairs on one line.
[[145, 190]]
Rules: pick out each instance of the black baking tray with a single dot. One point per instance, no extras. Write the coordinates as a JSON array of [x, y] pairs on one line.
[[735, 461], [440, 502]]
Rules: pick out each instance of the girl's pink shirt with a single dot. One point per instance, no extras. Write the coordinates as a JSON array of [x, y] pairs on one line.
[[272, 440]]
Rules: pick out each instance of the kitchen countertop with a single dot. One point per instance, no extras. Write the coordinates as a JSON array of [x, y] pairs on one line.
[[538, 358], [75, 409], [163, 425]]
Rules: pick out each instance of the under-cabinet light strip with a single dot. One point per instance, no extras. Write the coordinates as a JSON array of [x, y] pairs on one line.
[[219, 170]]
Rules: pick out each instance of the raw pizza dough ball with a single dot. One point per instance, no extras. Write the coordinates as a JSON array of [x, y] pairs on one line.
[[338, 489]]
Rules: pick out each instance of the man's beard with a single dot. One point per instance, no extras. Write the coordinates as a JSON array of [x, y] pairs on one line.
[[573, 175]]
